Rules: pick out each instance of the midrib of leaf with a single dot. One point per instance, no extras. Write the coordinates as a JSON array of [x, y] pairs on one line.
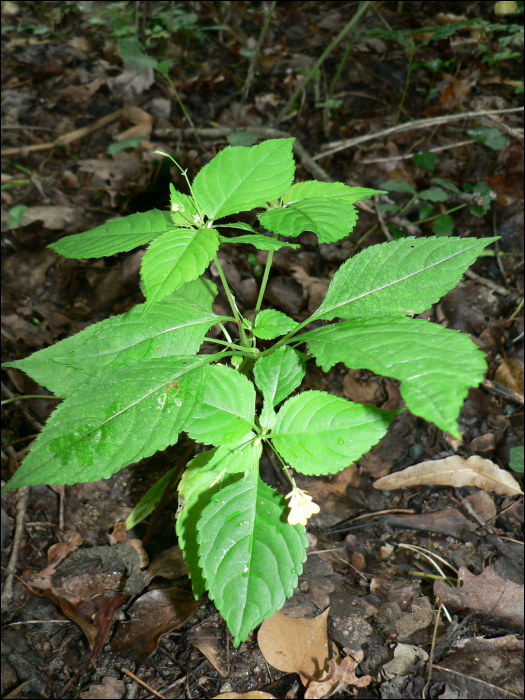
[[242, 182], [322, 312], [135, 403], [153, 337]]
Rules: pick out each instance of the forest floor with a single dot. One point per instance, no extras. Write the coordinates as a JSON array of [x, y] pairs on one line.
[[418, 590]]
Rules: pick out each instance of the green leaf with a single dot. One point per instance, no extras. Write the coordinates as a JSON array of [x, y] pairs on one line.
[[446, 184], [436, 194], [400, 278], [330, 220], [426, 160], [242, 138], [425, 211], [240, 179], [443, 225], [489, 136], [183, 209], [260, 242], [516, 459], [175, 258], [115, 236], [278, 374], [320, 434], [226, 410], [328, 190], [175, 326], [239, 225], [205, 475], [149, 501], [485, 194], [121, 146], [393, 186], [119, 417], [250, 556], [436, 366], [270, 324]]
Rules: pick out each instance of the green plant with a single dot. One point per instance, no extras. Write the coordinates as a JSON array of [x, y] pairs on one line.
[[516, 459], [132, 383]]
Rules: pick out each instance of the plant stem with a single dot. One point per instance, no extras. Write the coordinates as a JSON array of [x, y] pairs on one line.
[[264, 282], [246, 352], [285, 338], [231, 299], [405, 90], [433, 218], [340, 67], [184, 111], [251, 70], [363, 7], [32, 397]]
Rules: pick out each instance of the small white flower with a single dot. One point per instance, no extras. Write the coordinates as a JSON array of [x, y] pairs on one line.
[[301, 507], [175, 208]]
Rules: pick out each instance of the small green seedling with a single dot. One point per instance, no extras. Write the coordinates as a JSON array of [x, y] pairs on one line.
[[132, 383]]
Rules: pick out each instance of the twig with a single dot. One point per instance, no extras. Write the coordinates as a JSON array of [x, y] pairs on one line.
[[409, 126], [431, 659], [421, 550], [500, 390], [21, 507], [487, 283], [143, 684], [363, 7], [438, 149], [382, 224], [251, 70], [26, 397]]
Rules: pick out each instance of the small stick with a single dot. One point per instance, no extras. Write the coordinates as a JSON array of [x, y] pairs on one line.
[[143, 684], [21, 506], [431, 659], [409, 126]]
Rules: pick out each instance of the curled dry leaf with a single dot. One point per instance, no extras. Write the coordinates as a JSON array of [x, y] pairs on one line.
[[453, 471], [295, 645], [343, 675], [510, 374]]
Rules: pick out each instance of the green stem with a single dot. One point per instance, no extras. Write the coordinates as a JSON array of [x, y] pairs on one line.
[[246, 352], [363, 7], [185, 111], [31, 397], [244, 341], [340, 67], [285, 468], [405, 90], [251, 70], [263, 283], [433, 218], [285, 338]]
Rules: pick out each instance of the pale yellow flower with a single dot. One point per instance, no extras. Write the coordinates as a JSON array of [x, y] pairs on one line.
[[301, 507]]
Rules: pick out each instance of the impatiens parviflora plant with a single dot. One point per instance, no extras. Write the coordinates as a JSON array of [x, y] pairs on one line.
[[133, 383]]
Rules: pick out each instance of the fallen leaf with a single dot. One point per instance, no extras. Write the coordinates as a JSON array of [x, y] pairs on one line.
[[510, 374], [208, 644], [405, 655], [111, 689], [357, 392], [168, 564], [343, 676], [155, 613], [295, 645], [142, 120], [453, 471], [496, 600]]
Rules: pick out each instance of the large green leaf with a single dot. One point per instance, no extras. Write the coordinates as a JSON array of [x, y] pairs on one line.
[[115, 236], [250, 556], [175, 258], [225, 413], [328, 190], [205, 475], [321, 434], [271, 324], [330, 219], [278, 374], [399, 278], [436, 366], [174, 326], [240, 179], [257, 240], [116, 419]]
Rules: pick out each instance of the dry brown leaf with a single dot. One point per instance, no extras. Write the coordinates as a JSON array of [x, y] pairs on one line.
[[453, 471], [295, 645], [510, 374], [142, 120], [250, 694], [208, 644], [343, 676]]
